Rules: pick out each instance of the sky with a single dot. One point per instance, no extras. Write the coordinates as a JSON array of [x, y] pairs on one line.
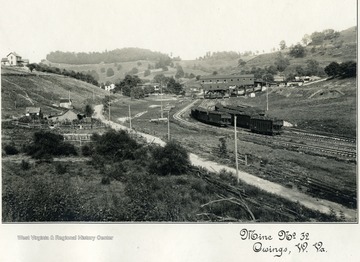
[[185, 28]]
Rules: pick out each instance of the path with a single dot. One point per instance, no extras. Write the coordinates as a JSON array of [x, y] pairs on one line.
[[321, 205]]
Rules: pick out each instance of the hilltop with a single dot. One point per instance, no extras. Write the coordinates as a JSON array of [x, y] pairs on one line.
[[21, 88], [147, 64]]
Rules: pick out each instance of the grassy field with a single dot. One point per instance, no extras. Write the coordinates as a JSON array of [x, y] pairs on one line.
[[328, 106], [277, 159], [20, 89]]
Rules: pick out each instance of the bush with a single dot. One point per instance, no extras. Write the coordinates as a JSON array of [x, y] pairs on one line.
[[11, 150], [173, 159], [105, 181], [60, 169], [25, 165], [47, 144], [297, 51], [109, 72], [86, 150]]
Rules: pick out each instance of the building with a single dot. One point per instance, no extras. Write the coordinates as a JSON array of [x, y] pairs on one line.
[[13, 59], [34, 112], [110, 87], [5, 61], [66, 103], [225, 84]]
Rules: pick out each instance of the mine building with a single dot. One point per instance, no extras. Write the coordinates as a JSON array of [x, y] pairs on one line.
[[218, 86]]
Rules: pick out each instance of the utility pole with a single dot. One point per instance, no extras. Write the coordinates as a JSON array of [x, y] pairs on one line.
[[130, 116], [162, 115], [109, 108], [236, 153], [168, 125], [267, 97]]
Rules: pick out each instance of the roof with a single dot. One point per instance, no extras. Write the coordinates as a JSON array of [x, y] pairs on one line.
[[65, 100], [15, 54], [4, 59], [226, 76], [32, 110]]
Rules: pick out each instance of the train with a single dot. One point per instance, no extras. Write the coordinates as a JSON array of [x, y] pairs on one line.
[[247, 117], [212, 117]]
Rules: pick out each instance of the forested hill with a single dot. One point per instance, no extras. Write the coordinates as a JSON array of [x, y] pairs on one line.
[[117, 55]]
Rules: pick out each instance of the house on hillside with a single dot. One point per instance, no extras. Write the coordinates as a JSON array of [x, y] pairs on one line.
[[34, 112], [110, 87], [66, 103], [13, 59], [5, 61]]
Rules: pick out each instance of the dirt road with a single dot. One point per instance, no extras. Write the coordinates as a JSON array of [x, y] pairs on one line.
[[321, 205]]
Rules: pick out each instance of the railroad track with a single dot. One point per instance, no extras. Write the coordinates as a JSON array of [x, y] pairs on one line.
[[320, 144]]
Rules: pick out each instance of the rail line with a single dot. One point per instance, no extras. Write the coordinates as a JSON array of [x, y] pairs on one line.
[[330, 145]]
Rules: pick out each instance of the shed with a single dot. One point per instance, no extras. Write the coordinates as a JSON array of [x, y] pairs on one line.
[[34, 112]]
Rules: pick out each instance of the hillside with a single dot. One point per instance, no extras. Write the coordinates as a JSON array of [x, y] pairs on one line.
[[339, 49], [328, 106], [20, 89]]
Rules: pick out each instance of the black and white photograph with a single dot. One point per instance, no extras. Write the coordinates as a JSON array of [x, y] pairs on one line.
[[195, 113]]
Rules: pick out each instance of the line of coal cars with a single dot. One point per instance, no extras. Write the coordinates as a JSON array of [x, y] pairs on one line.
[[246, 117]]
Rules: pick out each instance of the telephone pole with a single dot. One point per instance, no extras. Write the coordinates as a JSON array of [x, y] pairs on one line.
[[162, 115], [267, 97], [168, 125], [109, 108], [236, 153], [130, 116]]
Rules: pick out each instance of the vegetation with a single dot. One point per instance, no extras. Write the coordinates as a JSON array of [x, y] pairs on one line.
[[109, 72], [89, 78], [117, 55], [47, 144], [297, 51], [344, 70]]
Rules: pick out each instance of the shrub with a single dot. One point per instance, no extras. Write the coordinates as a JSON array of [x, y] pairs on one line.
[[25, 165], [297, 51], [60, 169], [11, 150], [109, 72], [87, 150], [105, 181], [47, 144], [173, 159]]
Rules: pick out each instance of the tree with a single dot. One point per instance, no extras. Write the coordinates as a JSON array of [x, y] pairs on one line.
[[282, 45], [281, 62], [89, 110], [317, 38], [306, 39], [137, 92], [241, 62], [172, 159], [348, 69], [147, 73], [174, 87], [271, 69], [127, 84], [214, 73], [333, 69], [312, 67], [179, 72], [109, 72], [297, 51], [268, 78]]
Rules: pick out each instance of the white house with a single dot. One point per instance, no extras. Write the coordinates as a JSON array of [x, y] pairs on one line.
[[110, 87], [13, 59], [66, 103], [5, 61]]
